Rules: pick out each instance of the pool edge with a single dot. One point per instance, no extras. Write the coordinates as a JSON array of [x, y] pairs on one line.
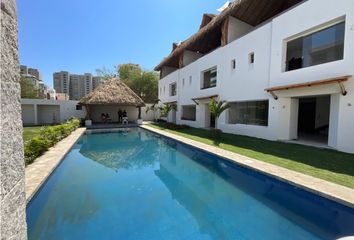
[[338, 193], [37, 173]]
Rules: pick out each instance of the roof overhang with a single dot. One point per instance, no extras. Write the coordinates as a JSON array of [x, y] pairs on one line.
[[170, 103], [337, 80], [204, 98]]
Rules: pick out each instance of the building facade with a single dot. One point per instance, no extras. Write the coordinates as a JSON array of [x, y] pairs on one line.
[[285, 67], [75, 86], [48, 112]]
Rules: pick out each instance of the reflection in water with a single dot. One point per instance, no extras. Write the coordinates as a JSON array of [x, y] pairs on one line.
[[161, 189], [119, 150]]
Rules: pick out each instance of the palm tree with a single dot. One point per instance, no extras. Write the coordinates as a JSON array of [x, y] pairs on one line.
[[167, 108], [217, 108]]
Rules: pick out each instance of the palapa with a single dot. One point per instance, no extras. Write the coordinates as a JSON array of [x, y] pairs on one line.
[[112, 92]]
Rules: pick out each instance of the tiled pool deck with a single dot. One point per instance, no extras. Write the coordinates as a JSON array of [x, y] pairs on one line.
[[338, 193], [40, 170]]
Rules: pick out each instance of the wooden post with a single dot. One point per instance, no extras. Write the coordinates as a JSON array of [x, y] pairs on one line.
[[224, 32], [180, 63], [139, 115], [88, 112]]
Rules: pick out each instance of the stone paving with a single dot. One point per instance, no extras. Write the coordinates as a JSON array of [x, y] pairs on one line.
[[43, 166], [338, 193]]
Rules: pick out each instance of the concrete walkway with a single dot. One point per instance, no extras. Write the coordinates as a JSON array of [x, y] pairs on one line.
[[43, 166], [338, 193]]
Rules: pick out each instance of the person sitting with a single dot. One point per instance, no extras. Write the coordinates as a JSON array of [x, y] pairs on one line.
[[124, 113], [108, 118], [103, 118]]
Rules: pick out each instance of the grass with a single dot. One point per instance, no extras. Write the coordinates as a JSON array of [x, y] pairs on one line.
[[326, 164], [30, 132]]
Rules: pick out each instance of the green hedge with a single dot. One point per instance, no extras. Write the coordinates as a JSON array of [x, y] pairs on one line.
[[47, 138]]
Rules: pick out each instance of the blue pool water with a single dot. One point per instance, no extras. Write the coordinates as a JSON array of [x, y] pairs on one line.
[[137, 185]]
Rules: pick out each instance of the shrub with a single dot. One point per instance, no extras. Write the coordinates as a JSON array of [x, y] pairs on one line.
[[48, 137]]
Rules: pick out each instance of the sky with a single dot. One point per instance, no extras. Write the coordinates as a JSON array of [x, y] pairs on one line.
[[82, 35]]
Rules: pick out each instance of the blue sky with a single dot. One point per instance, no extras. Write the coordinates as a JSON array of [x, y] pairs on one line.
[[83, 35]]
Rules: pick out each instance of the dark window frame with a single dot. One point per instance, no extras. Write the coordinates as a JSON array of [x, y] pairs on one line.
[[302, 52]]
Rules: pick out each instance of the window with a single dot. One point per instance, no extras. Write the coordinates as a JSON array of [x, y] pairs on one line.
[[183, 82], [164, 89], [249, 113], [173, 89], [78, 107], [190, 80], [233, 64], [209, 78], [188, 112], [323, 46], [251, 58]]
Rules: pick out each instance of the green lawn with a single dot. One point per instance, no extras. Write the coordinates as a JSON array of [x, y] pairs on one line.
[[326, 164], [30, 132]]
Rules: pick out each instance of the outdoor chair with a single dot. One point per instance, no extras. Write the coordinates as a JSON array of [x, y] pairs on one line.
[[125, 120]]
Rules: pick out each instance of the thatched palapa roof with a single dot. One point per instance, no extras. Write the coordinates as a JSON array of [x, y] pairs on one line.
[[208, 38], [113, 92]]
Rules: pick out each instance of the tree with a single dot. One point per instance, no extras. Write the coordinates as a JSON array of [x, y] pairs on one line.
[[143, 83], [106, 73], [216, 109], [28, 89]]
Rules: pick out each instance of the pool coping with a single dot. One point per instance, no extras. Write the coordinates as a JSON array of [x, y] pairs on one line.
[[38, 172], [329, 190]]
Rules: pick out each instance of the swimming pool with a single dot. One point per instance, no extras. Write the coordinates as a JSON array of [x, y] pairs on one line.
[[138, 185]]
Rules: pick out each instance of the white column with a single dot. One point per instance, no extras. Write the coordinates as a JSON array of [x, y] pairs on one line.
[[333, 121], [288, 118]]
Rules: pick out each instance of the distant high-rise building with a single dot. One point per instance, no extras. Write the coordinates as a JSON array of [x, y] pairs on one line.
[[35, 72], [75, 86], [23, 70], [88, 83], [61, 82], [96, 81]]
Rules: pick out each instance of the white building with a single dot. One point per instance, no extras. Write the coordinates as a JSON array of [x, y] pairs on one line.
[[285, 67], [47, 112]]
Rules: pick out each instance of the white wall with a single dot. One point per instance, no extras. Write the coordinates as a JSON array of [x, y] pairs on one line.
[[48, 114], [189, 57], [68, 110], [28, 114], [150, 115], [237, 29], [41, 111]]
